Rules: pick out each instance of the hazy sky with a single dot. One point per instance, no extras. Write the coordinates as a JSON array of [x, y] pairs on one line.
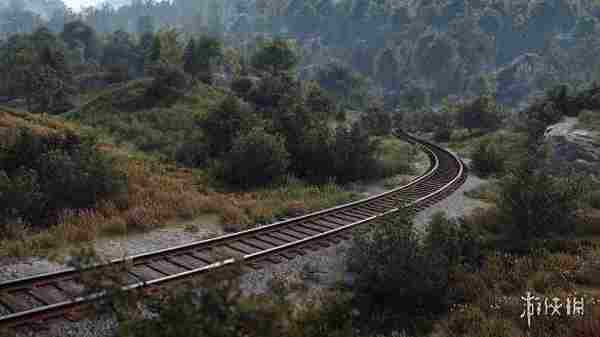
[[76, 4]]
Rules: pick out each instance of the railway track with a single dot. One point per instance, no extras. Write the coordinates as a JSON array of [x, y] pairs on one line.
[[47, 296]]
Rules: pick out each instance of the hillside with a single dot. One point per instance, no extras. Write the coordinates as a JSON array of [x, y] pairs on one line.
[[124, 114], [155, 194]]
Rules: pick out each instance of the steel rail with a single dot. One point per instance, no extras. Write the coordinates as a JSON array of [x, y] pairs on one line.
[[430, 193]]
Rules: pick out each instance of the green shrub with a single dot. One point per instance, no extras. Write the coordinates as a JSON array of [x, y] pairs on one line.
[[442, 134], [482, 113], [256, 158], [193, 153], [487, 160], [395, 157], [593, 199], [377, 121], [407, 284], [534, 205], [353, 153], [42, 175], [168, 84], [223, 124], [242, 86]]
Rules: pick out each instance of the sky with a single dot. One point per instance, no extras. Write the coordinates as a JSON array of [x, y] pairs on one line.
[[77, 4]]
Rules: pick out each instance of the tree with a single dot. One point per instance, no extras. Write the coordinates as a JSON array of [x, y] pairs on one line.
[[256, 158], [409, 282], [318, 102], [223, 124], [155, 50], [343, 84], [168, 83], [47, 80], [274, 57], [78, 33], [487, 159], [481, 113], [387, 69], [207, 55], [145, 45], [354, 153], [377, 121], [190, 65], [534, 205], [171, 50], [145, 25], [120, 52]]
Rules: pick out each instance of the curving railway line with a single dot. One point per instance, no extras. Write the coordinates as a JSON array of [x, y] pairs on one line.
[[47, 296]]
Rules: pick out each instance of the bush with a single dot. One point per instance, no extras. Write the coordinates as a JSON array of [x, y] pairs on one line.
[[193, 153], [534, 205], [593, 199], [221, 309], [353, 154], [223, 124], [442, 134], [400, 282], [256, 158], [487, 160], [242, 86], [42, 175], [117, 74], [168, 84], [482, 113], [376, 121]]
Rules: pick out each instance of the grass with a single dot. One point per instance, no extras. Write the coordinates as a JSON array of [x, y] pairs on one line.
[[589, 120], [490, 295], [487, 192], [157, 130], [158, 192], [396, 156], [510, 144]]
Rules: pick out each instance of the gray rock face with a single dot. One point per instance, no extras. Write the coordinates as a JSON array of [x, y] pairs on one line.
[[520, 78], [571, 147]]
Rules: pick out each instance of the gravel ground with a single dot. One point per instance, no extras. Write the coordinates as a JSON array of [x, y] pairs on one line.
[[154, 240], [454, 206], [111, 248], [100, 326], [317, 269], [328, 263]]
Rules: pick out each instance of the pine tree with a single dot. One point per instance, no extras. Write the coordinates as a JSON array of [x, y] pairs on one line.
[[155, 50], [145, 48], [190, 65]]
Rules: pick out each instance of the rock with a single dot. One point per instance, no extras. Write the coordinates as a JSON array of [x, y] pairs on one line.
[[519, 79], [574, 148]]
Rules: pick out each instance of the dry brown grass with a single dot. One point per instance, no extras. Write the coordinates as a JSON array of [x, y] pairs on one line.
[[157, 194]]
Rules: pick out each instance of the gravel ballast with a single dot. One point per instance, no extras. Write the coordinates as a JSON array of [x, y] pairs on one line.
[[325, 265]]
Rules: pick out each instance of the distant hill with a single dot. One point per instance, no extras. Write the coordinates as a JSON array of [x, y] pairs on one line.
[[44, 8]]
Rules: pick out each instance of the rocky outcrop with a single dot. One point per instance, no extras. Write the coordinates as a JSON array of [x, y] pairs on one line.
[[573, 147], [521, 77]]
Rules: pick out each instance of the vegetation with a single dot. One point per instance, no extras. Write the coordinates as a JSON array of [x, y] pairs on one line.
[[255, 159], [44, 175], [482, 113], [247, 112], [487, 160], [155, 194], [535, 205]]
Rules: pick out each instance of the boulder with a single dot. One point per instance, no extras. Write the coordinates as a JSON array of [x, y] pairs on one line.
[[572, 147]]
